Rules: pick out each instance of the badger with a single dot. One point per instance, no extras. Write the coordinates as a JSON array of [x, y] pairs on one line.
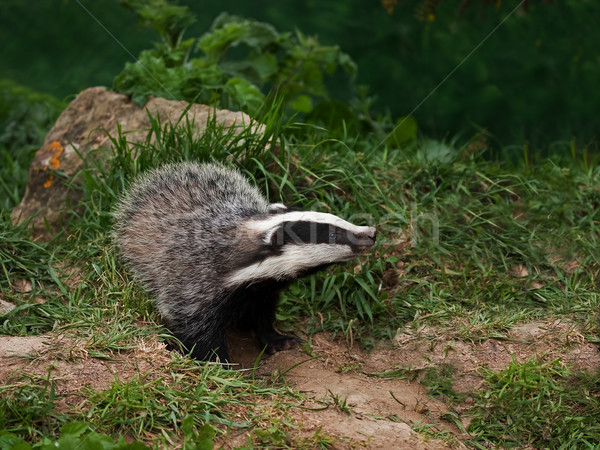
[[215, 254]]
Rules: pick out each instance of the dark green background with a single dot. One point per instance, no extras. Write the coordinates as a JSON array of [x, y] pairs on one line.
[[536, 78]]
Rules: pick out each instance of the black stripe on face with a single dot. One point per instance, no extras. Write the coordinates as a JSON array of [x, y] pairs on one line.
[[305, 232], [308, 233]]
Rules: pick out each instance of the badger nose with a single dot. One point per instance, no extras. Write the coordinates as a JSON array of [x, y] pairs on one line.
[[367, 238], [372, 233]]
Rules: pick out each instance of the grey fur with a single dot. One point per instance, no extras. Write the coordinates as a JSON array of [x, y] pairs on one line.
[[202, 240]]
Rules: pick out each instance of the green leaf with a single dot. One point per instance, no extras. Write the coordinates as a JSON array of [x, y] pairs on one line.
[[21, 446], [435, 151], [265, 65], [257, 35], [215, 43], [96, 441], [10, 441], [302, 103], [67, 442], [245, 94], [74, 428], [205, 438]]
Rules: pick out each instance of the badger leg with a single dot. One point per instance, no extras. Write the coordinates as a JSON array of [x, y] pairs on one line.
[[204, 344], [260, 316], [217, 351]]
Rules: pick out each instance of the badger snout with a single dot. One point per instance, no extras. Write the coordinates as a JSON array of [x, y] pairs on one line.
[[365, 240]]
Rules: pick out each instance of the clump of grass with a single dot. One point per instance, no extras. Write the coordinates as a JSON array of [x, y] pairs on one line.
[[27, 408], [29, 279], [537, 404], [20, 257], [157, 404], [438, 381], [107, 173], [183, 401]]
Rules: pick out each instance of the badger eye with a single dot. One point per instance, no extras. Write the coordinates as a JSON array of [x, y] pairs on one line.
[[332, 235]]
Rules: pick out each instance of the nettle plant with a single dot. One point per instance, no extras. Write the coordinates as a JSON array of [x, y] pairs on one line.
[[245, 64]]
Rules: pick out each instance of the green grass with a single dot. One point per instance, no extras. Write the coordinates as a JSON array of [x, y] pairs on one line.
[[29, 409], [145, 407], [461, 227], [471, 246], [537, 404]]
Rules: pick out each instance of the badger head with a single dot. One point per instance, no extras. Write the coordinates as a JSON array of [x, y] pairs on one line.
[[295, 243]]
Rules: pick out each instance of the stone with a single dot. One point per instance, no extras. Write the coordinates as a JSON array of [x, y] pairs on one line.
[[6, 307]]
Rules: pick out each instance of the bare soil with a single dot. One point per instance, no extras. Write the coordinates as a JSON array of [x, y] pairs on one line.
[[346, 396]]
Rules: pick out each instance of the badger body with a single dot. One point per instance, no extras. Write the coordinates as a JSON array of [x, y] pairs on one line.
[[215, 254]]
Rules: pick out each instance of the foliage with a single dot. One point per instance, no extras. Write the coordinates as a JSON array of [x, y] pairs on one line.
[[455, 72], [241, 57], [167, 20], [77, 435], [28, 411], [547, 102], [459, 63], [28, 275], [25, 117]]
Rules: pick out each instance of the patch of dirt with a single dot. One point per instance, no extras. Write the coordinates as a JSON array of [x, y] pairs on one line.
[[381, 410], [344, 395], [356, 409], [69, 365], [361, 410], [14, 351]]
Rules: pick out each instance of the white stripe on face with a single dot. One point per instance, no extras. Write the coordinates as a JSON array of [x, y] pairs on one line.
[[263, 226], [288, 264]]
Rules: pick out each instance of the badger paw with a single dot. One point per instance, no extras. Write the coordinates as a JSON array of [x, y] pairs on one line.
[[276, 342]]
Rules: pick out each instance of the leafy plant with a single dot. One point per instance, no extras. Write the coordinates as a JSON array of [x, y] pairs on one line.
[[167, 20], [244, 60], [73, 436], [438, 381]]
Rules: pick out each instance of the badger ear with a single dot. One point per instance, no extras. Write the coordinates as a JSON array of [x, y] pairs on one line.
[[277, 208]]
